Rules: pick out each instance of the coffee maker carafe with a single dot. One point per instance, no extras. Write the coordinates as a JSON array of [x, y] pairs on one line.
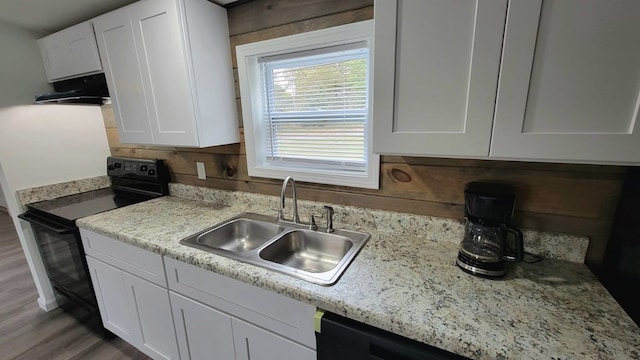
[[488, 240]]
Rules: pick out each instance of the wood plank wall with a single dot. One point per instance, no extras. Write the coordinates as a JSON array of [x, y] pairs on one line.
[[568, 198]]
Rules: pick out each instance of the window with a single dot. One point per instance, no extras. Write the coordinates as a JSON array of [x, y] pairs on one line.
[[306, 106]]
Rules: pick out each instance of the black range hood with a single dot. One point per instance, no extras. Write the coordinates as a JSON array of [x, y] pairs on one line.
[[90, 89]]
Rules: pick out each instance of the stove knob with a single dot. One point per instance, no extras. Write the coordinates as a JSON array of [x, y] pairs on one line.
[[110, 167], [143, 167], [151, 172], [117, 165]]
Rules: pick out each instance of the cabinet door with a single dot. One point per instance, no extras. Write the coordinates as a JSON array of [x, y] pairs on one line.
[[162, 58], [70, 52], [570, 82], [157, 337], [280, 314], [436, 72], [254, 343], [117, 47], [117, 314], [203, 332]]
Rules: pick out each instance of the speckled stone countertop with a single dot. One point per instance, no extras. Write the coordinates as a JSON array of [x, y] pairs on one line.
[[405, 281], [48, 192]]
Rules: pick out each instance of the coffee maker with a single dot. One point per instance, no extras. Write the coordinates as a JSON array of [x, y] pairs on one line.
[[489, 240]]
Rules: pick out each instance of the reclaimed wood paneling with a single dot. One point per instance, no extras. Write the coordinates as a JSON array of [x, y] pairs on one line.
[[318, 23], [568, 198], [263, 14], [551, 192]]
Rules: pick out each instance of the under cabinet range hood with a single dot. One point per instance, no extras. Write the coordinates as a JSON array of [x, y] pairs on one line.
[[90, 89]]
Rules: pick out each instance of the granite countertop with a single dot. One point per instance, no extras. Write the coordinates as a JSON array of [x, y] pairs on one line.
[[405, 281]]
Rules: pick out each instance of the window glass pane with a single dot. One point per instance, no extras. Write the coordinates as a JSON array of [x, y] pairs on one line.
[[317, 109]]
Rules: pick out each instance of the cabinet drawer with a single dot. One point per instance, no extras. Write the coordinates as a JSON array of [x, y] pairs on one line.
[[134, 260], [280, 314]]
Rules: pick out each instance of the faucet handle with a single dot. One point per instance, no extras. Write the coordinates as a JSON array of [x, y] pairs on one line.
[[312, 223]]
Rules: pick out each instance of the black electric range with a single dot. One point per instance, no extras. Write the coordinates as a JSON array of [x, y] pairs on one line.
[[132, 181], [58, 237]]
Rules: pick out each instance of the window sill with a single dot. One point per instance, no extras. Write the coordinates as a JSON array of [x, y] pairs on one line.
[[327, 177]]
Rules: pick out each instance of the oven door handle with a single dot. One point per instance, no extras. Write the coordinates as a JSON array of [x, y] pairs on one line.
[[48, 225]]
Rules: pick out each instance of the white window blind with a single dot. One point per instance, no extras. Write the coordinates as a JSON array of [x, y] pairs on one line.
[[316, 107]]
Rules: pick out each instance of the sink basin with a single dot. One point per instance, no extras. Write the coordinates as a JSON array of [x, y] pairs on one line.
[[239, 235], [315, 256], [308, 250]]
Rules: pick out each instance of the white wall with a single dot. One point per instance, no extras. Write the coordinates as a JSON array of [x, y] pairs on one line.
[[22, 73], [42, 145], [47, 144], [3, 200]]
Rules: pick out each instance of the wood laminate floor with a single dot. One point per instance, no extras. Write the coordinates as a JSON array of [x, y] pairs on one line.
[[28, 332]]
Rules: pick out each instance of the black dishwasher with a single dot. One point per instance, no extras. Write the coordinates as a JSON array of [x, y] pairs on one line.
[[339, 338]]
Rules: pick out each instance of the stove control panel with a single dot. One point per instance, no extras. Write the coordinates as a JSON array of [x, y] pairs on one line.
[[137, 168]]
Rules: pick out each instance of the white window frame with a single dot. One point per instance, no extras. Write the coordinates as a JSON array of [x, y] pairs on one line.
[[249, 78]]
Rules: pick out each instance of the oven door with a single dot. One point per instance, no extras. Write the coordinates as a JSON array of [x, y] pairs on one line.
[[61, 250]]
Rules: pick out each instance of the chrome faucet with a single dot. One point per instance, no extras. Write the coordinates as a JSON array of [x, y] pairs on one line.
[[296, 218], [328, 210]]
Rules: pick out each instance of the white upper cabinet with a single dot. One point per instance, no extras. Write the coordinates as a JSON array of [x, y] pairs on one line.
[[436, 71], [70, 53], [169, 72], [567, 81], [570, 82], [124, 79]]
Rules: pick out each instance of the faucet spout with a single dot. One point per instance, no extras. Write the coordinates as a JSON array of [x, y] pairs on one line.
[[287, 180]]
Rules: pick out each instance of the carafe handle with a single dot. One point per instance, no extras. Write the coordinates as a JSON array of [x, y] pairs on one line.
[[518, 255]]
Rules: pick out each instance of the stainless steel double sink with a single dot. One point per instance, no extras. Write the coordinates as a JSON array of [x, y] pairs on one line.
[[312, 255]]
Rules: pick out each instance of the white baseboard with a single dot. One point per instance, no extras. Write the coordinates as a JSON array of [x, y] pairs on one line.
[[47, 304]]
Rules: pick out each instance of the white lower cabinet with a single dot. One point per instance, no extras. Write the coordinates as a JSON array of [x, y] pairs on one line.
[[136, 310], [203, 332], [191, 313], [254, 343], [206, 333], [132, 294], [117, 315], [155, 323], [223, 318]]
